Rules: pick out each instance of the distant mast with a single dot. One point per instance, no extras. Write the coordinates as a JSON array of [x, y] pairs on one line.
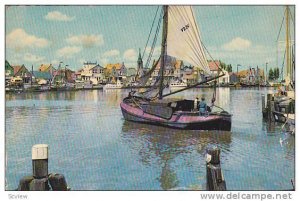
[[163, 49], [288, 64]]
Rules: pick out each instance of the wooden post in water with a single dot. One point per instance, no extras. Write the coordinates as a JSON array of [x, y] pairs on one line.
[[40, 161], [214, 176], [39, 181], [263, 105], [58, 182], [269, 97], [39, 168], [263, 102], [272, 109]]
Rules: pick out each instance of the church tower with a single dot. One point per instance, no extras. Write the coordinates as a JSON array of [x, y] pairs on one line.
[[140, 64]]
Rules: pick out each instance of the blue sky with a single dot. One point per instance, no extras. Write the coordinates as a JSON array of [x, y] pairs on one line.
[[243, 35]]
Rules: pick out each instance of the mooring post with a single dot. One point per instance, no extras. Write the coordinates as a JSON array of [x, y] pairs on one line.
[[214, 176], [263, 104], [39, 181], [24, 183], [272, 109], [58, 182], [269, 97], [39, 168], [40, 161]]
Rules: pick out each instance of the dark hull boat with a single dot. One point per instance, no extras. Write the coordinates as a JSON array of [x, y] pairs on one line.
[[248, 85], [164, 115], [181, 40]]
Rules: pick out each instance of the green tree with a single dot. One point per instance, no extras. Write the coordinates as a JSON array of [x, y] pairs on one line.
[[276, 73], [271, 74], [229, 68], [222, 65]]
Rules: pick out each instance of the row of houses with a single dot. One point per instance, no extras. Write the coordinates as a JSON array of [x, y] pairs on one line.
[[92, 72]]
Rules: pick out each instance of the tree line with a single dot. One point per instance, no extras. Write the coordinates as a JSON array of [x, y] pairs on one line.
[[274, 74]]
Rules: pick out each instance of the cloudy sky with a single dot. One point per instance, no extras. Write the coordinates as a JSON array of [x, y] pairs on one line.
[[37, 35]]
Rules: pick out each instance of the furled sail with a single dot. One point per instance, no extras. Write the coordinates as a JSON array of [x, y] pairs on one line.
[[183, 39]]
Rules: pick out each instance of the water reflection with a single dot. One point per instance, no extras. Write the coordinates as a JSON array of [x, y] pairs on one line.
[[113, 96], [168, 147], [223, 97]]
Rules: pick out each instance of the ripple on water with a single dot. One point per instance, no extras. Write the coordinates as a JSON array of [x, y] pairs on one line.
[[85, 130]]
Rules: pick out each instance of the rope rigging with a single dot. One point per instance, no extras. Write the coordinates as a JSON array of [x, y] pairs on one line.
[[154, 41], [283, 65], [150, 32]]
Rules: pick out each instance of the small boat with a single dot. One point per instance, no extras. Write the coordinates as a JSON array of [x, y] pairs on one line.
[[175, 114], [176, 85], [150, 106], [290, 123], [117, 85], [248, 84]]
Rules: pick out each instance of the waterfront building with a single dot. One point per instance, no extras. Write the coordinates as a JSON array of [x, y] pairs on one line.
[[42, 77], [9, 72], [46, 68], [233, 78], [168, 69], [114, 72], [22, 72], [178, 70], [97, 74], [140, 67], [86, 72], [214, 67], [251, 75], [131, 75], [190, 75]]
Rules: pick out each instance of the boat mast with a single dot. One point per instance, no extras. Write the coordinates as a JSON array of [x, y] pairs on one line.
[[163, 50], [287, 12]]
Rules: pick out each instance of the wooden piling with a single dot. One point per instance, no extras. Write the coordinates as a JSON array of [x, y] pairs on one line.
[[39, 181], [214, 176], [39, 185], [40, 161], [24, 183], [269, 96], [272, 109], [263, 103], [58, 182]]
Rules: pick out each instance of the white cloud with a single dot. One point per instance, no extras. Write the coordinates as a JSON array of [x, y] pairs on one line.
[[104, 61], [156, 52], [68, 51], [130, 55], [81, 61], [86, 40], [111, 53], [18, 39], [237, 44], [58, 16], [33, 58], [130, 64]]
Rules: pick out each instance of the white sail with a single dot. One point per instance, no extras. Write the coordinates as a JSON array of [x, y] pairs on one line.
[[183, 40]]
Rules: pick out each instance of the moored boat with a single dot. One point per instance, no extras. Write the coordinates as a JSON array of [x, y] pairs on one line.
[[117, 85], [181, 39], [176, 85], [175, 114]]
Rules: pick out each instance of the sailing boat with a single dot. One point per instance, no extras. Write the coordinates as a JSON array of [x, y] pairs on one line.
[[58, 81], [180, 39]]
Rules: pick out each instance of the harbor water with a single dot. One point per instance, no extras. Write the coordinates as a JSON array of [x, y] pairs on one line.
[[96, 149]]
